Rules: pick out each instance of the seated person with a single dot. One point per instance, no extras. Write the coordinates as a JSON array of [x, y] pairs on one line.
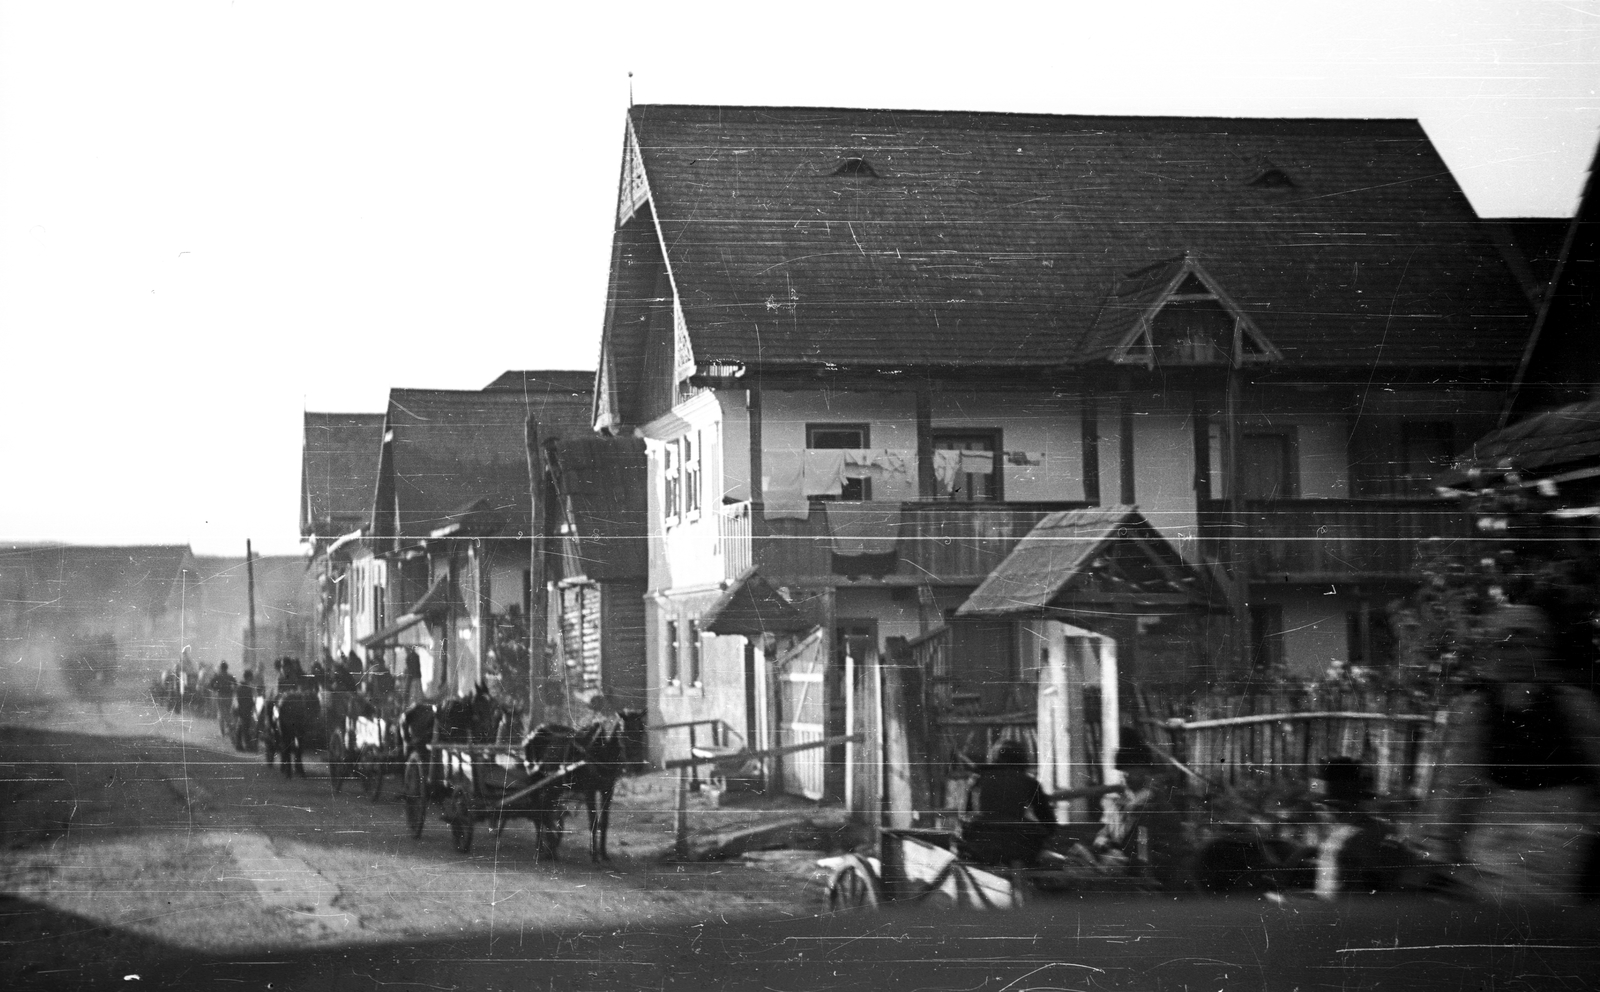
[[996, 829], [1147, 823]]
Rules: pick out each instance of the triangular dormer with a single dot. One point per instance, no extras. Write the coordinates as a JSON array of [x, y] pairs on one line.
[[1191, 322]]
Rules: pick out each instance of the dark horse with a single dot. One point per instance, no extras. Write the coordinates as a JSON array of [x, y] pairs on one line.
[[548, 751], [475, 719], [291, 718], [608, 749]]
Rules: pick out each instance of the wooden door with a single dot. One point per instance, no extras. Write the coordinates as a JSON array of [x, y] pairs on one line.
[[803, 712]]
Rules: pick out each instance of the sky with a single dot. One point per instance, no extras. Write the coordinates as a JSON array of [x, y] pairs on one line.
[[217, 216]]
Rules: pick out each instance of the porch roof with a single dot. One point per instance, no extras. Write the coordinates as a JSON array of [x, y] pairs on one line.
[[751, 607], [1074, 548]]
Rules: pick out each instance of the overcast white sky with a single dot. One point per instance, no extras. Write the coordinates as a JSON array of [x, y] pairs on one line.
[[215, 216]]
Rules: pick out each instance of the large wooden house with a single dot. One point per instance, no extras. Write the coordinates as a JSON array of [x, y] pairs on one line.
[[869, 352]]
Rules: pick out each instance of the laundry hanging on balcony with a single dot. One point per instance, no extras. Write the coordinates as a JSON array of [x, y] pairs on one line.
[[791, 478], [860, 529]]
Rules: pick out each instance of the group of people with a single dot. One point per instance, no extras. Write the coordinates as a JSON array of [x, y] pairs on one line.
[[1512, 808]]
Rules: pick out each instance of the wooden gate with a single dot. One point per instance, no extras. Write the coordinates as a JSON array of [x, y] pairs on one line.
[[803, 703]]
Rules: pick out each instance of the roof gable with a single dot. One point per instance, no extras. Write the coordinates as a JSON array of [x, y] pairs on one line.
[[1215, 331], [338, 471], [1080, 551]]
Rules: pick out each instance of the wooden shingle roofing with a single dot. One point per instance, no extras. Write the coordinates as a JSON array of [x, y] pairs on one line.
[[997, 239], [338, 470], [451, 448]]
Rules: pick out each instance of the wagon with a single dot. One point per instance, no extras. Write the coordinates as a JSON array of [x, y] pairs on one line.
[[925, 864], [918, 863], [474, 783], [367, 748]]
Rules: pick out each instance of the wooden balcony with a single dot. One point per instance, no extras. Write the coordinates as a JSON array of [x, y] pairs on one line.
[[733, 538], [1330, 539], [940, 543]]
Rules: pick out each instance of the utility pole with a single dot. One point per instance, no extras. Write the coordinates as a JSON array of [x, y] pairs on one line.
[[538, 604], [250, 585]]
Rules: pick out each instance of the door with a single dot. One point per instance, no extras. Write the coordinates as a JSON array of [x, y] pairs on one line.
[[803, 712]]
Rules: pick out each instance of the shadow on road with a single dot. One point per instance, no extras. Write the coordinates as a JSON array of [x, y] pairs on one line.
[[1077, 944]]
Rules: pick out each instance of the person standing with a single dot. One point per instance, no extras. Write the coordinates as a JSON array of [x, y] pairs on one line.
[[413, 677]]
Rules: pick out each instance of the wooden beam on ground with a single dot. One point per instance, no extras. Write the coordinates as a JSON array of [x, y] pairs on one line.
[[739, 757]]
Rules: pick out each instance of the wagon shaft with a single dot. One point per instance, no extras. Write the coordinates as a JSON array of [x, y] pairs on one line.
[[543, 783]]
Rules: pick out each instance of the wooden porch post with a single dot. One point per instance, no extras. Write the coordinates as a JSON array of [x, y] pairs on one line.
[[1237, 543]]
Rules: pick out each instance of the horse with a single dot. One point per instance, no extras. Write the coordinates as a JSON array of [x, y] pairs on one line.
[[292, 717], [609, 749], [549, 748], [476, 719]]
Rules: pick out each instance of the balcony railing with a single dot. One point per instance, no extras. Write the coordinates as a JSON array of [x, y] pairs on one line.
[[733, 538], [1329, 538], [939, 542]]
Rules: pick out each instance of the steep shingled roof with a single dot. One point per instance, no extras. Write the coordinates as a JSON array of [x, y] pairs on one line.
[[997, 239], [452, 448], [338, 470], [1062, 549]]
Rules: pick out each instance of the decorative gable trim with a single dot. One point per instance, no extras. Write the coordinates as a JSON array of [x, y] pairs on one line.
[[635, 187], [1248, 345], [682, 349]]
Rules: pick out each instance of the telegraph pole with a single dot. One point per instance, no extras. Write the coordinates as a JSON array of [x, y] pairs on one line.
[[250, 587]]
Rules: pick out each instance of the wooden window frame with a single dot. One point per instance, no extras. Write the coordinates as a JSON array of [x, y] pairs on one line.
[[996, 438], [672, 672], [864, 494], [692, 671]]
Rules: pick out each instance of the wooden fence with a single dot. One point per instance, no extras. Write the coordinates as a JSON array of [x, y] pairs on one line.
[[1286, 734]]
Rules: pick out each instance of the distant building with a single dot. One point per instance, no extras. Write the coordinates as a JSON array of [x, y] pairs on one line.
[[338, 475]]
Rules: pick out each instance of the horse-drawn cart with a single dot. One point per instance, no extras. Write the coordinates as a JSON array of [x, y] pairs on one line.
[[473, 783], [367, 747]]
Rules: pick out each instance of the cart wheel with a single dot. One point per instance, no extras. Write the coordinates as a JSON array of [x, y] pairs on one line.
[[461, 821], [416, 796], [337, 769], [853, 885]]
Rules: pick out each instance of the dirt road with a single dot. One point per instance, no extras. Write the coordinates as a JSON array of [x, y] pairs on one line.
[[149, 827], [140, 852]]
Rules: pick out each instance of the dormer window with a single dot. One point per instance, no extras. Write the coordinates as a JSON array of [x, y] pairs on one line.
[[856, 167], [1187, 321]]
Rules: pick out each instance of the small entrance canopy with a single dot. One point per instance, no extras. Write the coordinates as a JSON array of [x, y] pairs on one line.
[[1095, 557], [431, 603], [751, 607]]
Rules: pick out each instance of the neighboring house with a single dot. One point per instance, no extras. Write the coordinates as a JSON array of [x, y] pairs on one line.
[[1551, 435], [338, 475], [145, 596], [595, 493], [868, 352], [446, 567]]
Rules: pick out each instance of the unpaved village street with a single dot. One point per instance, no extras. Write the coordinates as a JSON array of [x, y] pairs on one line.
[[150, 825], [139, 852]]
